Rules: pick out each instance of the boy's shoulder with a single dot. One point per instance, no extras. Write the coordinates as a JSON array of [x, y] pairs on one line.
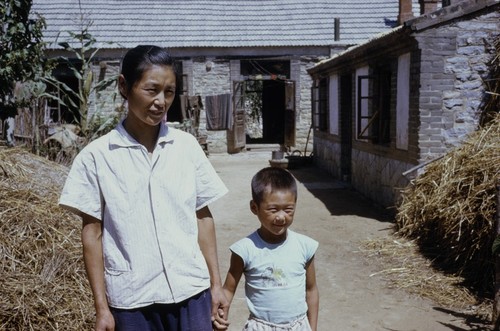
[[252, 240], [252, 237], [304, 241], [298, 235]]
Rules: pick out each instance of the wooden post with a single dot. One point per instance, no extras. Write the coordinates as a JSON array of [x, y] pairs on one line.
[[496, 304]]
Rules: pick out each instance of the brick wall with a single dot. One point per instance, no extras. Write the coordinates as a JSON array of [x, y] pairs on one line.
[[454, 61]]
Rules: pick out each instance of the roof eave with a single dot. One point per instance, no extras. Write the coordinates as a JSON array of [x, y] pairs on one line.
[[356, 50], [448, 13]]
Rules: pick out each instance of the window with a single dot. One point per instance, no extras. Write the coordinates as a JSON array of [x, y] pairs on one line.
[[319, 99], [373, 106]]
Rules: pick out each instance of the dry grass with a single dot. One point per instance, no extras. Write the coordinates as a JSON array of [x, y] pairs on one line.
[[403, 267], [42, 277], [450, 209]]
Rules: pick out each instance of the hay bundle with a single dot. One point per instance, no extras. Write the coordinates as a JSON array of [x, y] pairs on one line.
[[491, 101], [451, 208], [403, 267], [42, 278]]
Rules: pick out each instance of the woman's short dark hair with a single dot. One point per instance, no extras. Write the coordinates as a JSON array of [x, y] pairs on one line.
[[140, 58], [272, 178]]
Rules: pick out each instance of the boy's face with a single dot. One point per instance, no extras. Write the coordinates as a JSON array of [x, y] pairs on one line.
[[275, 214]]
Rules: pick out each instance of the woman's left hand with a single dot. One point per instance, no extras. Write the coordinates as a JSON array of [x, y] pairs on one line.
[[220, 308]]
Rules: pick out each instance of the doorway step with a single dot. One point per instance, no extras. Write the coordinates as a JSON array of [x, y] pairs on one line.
[[262, 148]]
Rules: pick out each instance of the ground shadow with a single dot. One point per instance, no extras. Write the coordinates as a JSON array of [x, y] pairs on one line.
[[473, 322], [337, 196]]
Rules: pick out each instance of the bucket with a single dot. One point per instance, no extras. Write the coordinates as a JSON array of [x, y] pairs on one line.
[[277, 155]]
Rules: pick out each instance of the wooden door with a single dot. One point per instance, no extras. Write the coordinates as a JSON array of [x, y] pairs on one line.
[[236, 137]]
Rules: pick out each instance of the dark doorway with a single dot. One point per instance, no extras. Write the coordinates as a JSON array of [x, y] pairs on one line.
[[66, 111], [175, 111], [272, 117], [346, 112], [266, 101]]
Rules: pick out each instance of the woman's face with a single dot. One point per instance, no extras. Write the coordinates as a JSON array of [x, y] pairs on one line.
[[150, 97]]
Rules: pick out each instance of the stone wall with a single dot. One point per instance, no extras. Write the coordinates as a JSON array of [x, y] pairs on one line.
[[377, 177], [454, 61], [327, 154], [304, 135]]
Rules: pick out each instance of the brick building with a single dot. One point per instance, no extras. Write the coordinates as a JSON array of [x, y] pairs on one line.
[[384, 108], [248, 49]]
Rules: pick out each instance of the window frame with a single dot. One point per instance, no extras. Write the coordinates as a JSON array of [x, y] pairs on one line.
[[320, 103], [374, 106]]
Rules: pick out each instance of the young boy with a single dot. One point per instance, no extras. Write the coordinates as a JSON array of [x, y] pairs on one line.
[[280, 280]]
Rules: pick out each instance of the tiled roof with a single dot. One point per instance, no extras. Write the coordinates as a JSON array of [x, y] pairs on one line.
[[440, 16], [226, 23]]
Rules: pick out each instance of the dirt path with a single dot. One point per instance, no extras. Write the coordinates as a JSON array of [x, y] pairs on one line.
[[340, 220]]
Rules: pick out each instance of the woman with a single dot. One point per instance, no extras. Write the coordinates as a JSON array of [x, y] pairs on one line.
[[143, 191]]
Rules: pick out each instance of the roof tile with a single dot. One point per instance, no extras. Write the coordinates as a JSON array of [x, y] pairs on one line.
[[226, 23]]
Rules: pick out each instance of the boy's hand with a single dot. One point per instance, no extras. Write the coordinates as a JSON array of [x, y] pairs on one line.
[[219, 321], [220, 307]]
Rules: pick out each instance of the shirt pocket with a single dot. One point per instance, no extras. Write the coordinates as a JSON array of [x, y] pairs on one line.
[[115, 264]]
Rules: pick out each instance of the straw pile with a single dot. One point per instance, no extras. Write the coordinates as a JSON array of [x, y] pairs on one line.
[[450, 209], [42, 278], [401, 265], [491, 100]]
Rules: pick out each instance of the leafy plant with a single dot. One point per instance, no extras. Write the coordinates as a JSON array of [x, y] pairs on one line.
[[21, 56], [83, 47]]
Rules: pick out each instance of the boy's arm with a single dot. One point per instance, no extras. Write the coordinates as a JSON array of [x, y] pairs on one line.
[[231, 283], [233, 276], [208, 245], [94, 265], [312, 295]]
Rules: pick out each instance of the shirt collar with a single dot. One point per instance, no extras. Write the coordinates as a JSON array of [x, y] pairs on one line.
[[121, 138]]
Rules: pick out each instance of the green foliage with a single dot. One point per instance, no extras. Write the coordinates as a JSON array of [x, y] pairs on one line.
[[22, 53], [253, 99], [495, 249], [82, 46], [101, 125], [252, 95]]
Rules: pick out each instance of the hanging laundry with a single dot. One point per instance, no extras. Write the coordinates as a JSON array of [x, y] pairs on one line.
[[219, 110]]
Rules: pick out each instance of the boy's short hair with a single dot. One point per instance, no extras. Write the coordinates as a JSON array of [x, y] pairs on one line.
[[274, 178]]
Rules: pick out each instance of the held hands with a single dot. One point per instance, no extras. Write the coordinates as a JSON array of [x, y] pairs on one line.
[[220, 308], [219, 322]]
